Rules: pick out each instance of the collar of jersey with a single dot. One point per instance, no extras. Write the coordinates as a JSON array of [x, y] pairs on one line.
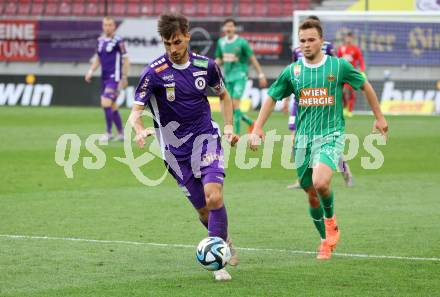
[[181, 66], [314, 65], [231, 40]]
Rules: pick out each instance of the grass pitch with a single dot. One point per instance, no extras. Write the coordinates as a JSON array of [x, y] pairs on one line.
[[391, 212]]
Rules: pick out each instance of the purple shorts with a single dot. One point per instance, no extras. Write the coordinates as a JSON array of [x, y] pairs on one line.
[[206, 165], [109, 89], [292, 116]]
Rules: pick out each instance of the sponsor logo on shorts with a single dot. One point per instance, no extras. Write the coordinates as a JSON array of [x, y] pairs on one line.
[[211, 158], [142, 94], [315, 97]]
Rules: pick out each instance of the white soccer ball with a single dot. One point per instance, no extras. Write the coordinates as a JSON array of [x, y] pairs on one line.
[[213, 253]]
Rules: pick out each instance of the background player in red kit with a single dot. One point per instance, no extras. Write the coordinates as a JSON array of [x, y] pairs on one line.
[[353, 54]]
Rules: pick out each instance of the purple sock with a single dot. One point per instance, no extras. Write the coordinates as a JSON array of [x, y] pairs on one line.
[[118, 121], [218, 223], [342, 165], [108, 118]]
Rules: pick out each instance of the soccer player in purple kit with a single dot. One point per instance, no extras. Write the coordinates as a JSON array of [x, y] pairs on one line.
[[174, 88], [327, 49], [112, 56]]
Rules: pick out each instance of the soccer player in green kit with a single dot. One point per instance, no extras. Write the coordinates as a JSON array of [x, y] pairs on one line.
[[235, 53], [317, 81]]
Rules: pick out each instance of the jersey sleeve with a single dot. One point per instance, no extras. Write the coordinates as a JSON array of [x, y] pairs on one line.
[[122, 48], [145, 88], [215, 78], [218, 50], [282, 87], [247, 50], [351, 76]]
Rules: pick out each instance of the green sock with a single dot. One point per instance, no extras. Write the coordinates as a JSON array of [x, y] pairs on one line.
[[246, 119], [327, 203], [237, 116], [318, 219]]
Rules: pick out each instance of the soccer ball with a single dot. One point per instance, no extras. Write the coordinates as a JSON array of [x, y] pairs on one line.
[[213, 253]]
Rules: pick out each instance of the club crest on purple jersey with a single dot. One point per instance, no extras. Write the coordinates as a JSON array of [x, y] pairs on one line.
[[200, 83]]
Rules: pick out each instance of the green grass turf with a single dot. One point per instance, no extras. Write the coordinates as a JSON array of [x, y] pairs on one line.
[[393, 211]]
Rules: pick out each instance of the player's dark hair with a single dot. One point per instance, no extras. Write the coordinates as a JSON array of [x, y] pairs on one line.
[[229, 20], [311, 24], [172, 23], [313, 17]]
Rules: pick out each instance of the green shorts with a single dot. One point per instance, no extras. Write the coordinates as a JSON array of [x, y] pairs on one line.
[[327, 149], [236, 88]]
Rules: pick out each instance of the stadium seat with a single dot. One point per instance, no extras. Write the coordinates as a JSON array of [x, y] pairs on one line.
[[147, 9], [274, 9], [188, 8], [37, 8], [260, 9], [78, 8], [24, 7], [51, 8], [245, 8], [116, 9], [11, 8], [65, 8], [203, 8], [159, 7]]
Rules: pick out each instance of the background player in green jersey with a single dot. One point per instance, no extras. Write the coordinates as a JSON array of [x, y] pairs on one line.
[[317, 81], [235, 53]]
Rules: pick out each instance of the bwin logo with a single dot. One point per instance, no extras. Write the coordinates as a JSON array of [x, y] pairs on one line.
[[390, 93], [27, 94]]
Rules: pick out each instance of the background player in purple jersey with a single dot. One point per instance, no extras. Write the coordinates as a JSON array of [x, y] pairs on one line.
[[112, 56], [174, 88], [328, 49]]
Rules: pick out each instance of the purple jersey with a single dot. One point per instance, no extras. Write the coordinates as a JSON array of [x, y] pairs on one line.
[[177, 98], [110, 52], [327, 48]]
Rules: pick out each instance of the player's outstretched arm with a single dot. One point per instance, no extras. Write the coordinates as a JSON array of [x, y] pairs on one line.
[[227, 110], [95, 64], [257, 132], [261, 77], [380, 123], [135, 120]]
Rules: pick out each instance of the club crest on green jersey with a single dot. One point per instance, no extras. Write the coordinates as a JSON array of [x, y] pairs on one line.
[[296, 70]]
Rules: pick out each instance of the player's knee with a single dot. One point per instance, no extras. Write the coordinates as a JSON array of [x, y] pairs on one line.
[[313, 198], [214, 199], [106, 102], [321, 186]]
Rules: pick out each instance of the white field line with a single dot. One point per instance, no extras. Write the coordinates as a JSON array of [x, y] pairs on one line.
[[174, 245]]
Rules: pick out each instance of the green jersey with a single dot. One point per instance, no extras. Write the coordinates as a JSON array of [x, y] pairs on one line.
[[318, 94], [235, 55]]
